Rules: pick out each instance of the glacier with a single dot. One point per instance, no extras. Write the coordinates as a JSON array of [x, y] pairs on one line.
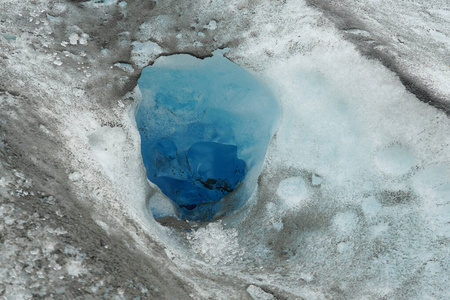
[[349, 198]]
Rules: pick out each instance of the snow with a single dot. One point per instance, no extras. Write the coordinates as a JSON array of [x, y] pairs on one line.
[[215, 244]]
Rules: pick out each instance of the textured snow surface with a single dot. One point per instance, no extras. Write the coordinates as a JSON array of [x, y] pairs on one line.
[[412, 37], [352, 201]]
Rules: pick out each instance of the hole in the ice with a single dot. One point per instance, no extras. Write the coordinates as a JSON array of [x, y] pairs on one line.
[[205, 126], [188, 207]]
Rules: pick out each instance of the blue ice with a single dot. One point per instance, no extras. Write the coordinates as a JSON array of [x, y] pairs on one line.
[[204, 125], [8, 37]]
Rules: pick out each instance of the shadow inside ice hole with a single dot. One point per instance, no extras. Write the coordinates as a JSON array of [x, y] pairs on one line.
[[205, 126]]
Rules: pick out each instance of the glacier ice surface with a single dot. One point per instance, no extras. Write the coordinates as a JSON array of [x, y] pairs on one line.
[[372, 164]]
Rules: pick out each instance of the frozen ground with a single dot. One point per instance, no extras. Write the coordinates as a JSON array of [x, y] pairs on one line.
[[353, 199]]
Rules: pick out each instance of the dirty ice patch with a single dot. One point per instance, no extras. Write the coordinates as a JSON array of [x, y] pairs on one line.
[[144, 53]]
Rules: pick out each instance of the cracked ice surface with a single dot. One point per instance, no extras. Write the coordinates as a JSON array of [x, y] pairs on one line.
[[353, 199]]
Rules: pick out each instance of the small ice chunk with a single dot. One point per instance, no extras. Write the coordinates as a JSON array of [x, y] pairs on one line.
[[73, 38], [214, 171], [212, 25], [124, 67], [258, 293], [316, 180], [57, 62], [84, 39], [75, 268]]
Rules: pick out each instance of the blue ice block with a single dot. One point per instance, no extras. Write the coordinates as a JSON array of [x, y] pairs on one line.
[[204, 124]]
